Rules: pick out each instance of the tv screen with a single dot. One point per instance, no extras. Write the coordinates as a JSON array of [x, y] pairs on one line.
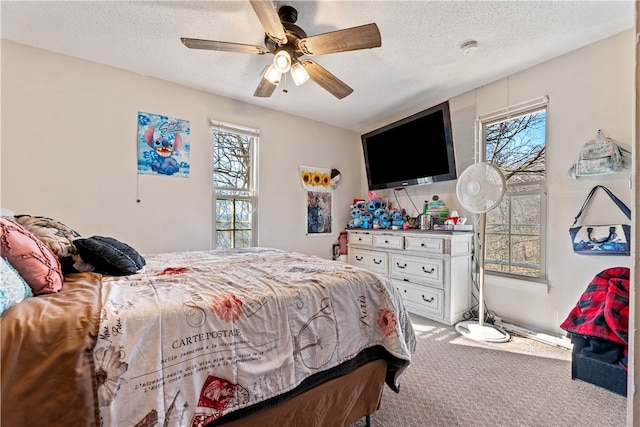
[[415, 150]]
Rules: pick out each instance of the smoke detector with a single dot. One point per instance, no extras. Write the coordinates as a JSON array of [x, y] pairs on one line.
[[469, 47]]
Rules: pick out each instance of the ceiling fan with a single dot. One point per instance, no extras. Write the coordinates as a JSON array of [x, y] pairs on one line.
[[289, 43]]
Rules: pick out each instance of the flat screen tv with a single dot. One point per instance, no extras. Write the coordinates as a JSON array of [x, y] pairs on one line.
[[415, 150]]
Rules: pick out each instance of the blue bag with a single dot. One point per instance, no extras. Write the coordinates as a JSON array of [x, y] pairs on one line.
[[613, 239]]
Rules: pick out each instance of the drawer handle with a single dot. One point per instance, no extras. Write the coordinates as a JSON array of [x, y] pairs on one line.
[[422, 245], [401, 266], [359, 258], [428, 300], [429, 271], [377, 262], [386, 241]]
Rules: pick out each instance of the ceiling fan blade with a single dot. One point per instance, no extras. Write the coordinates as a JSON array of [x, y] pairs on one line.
[[328, 81], [270, 20], [223, 46], [354, 38], [265, 88]]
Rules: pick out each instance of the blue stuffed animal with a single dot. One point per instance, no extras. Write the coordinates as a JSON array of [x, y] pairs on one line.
[[396, 217], [385, 222], [375, 204], [356, 218], [361, 205], [367, 220]]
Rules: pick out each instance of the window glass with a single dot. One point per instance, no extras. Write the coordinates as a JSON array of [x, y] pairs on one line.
[[233, 165], [515, 230]]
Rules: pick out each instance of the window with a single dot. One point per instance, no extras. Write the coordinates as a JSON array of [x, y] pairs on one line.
[[516, 229], [234, 154]]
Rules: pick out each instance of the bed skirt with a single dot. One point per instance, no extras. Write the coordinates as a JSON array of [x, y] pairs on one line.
[[336, 403]]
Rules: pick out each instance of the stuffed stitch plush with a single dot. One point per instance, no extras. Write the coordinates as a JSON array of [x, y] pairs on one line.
[[356, 218], [396, 217], [385, 221]]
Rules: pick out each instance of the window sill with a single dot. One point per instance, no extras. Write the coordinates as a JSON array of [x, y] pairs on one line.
[[538, 287]]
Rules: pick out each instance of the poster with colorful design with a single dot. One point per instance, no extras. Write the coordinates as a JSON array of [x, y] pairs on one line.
[[316, 179], [318, 212], [163, 145]]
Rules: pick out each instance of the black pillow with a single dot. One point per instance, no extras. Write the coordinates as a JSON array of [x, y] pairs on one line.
[[109, 256]]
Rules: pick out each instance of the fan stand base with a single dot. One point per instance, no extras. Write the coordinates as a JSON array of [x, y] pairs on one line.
[[475, 331]]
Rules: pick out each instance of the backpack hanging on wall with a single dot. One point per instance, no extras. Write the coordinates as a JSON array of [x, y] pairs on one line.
[[599, 156]]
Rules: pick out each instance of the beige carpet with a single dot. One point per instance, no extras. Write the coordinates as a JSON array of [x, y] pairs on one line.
[[454, 381]]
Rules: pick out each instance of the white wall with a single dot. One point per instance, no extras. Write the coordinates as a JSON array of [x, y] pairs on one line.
[[69, 152], [589, 89]]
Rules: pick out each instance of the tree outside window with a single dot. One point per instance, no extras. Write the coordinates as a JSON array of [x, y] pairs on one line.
[[233, 164], [515, 230]]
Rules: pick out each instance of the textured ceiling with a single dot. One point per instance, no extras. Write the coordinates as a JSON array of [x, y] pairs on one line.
[[420, 63]]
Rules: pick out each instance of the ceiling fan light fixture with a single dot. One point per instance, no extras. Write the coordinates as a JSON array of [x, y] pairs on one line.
[[272, 75], [298, 73], [282, 61]]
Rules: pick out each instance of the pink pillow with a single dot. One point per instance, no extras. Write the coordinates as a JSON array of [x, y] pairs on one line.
[[34, 260]]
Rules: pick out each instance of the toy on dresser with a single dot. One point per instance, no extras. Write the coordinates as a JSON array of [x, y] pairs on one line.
[[396, 218], [376, 209], [372, 214], [356, 218], [358, 209]]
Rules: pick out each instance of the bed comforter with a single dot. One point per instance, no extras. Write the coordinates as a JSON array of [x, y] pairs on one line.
[[197, 335]]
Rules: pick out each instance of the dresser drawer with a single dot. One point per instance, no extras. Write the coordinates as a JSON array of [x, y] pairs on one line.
[[362, 239], [388, 241], [417, 269], [434, 245], [374, 261], [421, 299]]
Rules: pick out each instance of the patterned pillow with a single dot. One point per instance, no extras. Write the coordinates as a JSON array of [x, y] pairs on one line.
[[35, 262], [51, 232], [110, 256], [13, 288]]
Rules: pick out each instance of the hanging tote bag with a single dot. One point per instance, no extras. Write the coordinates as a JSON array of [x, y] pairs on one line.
[[612, 239]]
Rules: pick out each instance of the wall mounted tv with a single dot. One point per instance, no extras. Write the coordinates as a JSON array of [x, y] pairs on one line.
[[415, 150]]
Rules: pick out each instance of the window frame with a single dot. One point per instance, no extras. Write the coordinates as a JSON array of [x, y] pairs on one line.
[[482, 122], [252, 197]]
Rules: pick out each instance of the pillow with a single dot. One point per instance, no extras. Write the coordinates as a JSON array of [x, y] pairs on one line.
[[109, 256], [33, 260], [52, 233], [13, 288]]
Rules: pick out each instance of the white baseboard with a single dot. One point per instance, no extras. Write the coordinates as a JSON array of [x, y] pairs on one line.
[[545, 338]]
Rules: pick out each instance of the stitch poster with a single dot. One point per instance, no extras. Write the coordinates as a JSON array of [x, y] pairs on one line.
[[163, 145], [318, 213]]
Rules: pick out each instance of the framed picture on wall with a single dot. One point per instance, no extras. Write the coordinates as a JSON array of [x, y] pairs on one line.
[[163, 145], [318, 213]]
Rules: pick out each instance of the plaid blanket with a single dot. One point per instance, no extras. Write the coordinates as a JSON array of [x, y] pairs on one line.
[[603, 309]]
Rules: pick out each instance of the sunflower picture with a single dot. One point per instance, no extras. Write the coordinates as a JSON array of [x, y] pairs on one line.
[[313, 178]]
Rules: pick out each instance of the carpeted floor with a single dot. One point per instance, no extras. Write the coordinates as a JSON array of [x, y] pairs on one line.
[[454, 381]]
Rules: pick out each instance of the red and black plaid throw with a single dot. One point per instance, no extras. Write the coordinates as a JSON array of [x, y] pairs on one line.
[[603, 309]]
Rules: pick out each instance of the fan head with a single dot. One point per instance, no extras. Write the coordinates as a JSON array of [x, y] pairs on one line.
[[481, 187]]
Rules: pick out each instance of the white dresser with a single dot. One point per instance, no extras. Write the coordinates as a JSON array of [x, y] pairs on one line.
[[432, 269]]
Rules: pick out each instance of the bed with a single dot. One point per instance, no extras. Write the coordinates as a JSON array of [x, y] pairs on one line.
[[255, 336]]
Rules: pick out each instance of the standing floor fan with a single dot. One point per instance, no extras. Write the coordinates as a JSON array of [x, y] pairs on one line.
[[480, 189]]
